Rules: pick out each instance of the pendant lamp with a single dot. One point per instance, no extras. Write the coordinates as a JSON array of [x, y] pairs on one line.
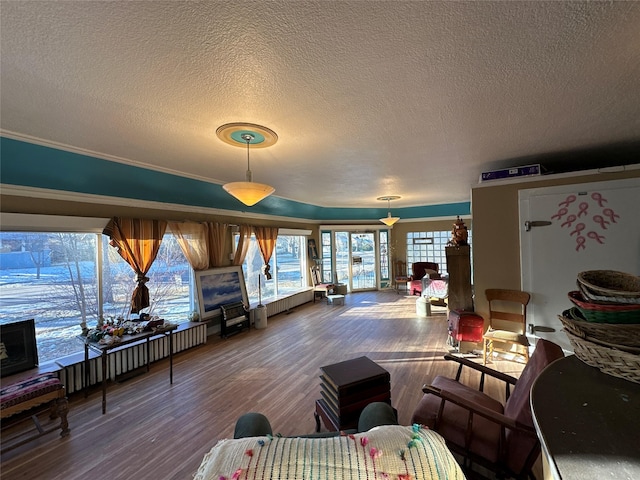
[[389, 220], [237, 134]]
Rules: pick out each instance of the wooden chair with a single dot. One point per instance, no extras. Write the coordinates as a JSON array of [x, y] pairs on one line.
[[400, 276], [319, 288], [235, 317], [502, 306], [499, 437]]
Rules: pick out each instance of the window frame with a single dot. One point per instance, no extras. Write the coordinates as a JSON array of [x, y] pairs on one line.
[[57, 224]]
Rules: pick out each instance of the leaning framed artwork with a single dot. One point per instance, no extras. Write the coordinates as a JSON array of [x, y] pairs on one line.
[[219, 286]]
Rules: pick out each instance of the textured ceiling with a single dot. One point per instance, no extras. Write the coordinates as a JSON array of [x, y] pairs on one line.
[[368, 98]]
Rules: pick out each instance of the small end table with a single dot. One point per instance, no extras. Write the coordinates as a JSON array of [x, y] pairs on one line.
[[346, 388], [103, 350]]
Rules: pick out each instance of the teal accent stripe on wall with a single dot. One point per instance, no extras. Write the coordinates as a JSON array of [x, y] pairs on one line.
[[31, 165]]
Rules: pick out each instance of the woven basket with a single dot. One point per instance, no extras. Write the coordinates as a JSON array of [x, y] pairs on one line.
[[605, 313], [611, 361], [610, 283], [596, 297], [627, 335]]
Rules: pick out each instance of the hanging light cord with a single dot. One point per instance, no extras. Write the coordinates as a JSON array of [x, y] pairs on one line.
[[248, 137]]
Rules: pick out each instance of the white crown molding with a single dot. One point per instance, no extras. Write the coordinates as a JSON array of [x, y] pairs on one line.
[[33, 192], [20, 222]]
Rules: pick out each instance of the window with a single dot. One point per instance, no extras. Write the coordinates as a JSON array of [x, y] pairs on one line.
[[53, 278], [428, 247], [384, 257], [289, 274], [170, 283], [327, 265]]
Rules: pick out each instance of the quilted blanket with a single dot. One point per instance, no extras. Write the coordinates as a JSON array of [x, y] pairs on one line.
[[390, 452]]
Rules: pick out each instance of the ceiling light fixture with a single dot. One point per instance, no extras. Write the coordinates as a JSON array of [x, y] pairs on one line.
[[389, 220], [238, 134]]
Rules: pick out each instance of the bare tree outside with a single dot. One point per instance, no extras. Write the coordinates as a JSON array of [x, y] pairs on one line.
[[53, 278], [56, 285]]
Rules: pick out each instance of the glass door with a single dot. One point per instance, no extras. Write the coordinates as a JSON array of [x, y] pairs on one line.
[[356, 260], [343, 270], [363, 261]]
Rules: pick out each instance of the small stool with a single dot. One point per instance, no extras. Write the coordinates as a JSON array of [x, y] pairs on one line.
[[335, 299], [39, 390]]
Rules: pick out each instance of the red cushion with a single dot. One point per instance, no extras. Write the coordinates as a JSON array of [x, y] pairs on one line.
[[453, 424], [28, 389]]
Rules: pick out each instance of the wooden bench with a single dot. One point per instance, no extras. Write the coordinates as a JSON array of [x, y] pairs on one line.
[[26, 397], [234, 318]]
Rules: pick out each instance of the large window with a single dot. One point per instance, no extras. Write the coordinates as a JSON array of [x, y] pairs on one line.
[[53, 278], [289, 275], [428, 247], [327, 264]]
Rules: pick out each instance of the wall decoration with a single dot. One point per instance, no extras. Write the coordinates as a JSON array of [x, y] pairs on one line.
[[587, 218], [219, 286]]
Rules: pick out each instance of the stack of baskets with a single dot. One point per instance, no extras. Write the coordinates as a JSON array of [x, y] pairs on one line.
[[604, 325]]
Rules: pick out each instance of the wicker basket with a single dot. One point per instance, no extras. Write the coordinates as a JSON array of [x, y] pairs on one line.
[[611, 361], [627, 335], [605, 313], [610, 283], [596, 297]]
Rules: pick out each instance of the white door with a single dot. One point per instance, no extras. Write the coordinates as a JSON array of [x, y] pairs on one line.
[[568, 229]]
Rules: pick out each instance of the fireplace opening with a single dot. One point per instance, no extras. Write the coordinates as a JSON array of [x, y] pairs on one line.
[[18, 349]]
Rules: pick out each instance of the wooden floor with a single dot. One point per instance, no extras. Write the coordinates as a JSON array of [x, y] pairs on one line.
[[156, 430]]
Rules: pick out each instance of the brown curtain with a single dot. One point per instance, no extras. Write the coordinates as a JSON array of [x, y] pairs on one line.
[[266, 237], [217, 237], [192, 238], [244, 240], [137, 241]]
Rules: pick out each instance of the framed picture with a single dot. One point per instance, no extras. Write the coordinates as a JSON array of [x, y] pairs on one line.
[[219, 286]]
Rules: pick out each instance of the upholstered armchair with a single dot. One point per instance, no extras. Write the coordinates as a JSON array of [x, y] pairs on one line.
[[478, 427], [418, 271]]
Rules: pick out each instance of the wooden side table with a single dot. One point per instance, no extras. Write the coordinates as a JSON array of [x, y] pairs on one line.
[[126, 340], [346, 388]]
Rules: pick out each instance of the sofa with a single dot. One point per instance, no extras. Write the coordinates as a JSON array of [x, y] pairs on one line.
[[418, 272]]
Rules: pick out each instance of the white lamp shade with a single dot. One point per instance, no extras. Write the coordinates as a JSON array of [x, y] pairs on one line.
[[388, 221], [248, 193]]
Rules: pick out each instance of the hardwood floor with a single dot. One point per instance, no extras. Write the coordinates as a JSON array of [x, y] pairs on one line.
[[156, 430]]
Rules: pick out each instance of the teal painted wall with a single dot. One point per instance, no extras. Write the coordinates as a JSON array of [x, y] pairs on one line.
[[31, 165]]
